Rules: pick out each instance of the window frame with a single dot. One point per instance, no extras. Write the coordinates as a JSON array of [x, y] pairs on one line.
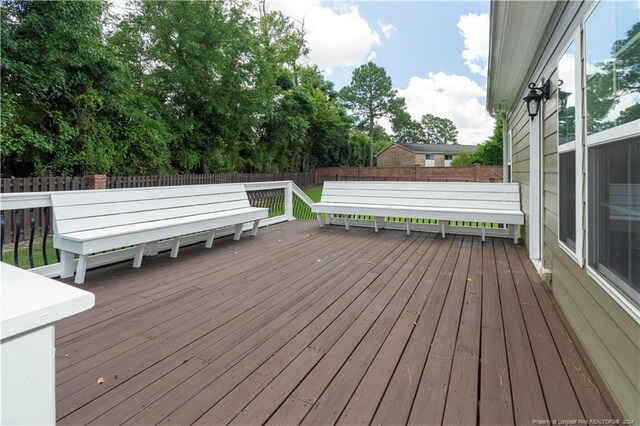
[[614, 134], [576, 146], [510, 156]]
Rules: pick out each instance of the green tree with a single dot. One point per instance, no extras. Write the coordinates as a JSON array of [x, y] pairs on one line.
[[201, 60], [438, 130], [405, 129], [489, 153], [369, 97], [463, 159], [58, 83], [611, 81]]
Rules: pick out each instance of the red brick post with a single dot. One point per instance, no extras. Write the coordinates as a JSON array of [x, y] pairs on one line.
[[97, 182]]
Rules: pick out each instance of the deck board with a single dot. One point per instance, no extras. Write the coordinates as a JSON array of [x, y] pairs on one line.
[[317, 325]]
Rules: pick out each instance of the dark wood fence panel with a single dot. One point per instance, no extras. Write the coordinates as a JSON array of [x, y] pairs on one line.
[[302, 179]]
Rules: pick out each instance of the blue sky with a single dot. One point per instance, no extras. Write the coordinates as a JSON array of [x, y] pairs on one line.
[[435, 52], [427, 38]]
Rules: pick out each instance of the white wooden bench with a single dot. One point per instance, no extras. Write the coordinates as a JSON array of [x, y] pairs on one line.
[[450, 201], [624, 202], [87, 223]]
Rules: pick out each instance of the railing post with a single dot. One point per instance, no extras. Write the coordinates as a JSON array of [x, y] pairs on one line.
[[288, 201]]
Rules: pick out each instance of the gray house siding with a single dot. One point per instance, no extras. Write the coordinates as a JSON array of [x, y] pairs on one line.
[[608, 333]]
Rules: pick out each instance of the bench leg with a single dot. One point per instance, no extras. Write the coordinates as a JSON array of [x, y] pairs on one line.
[[319, 216], [378, 223], [483, 233], [82, 269], [137, 259], [408, 226], [175, 247], [151, 249], [327, 219], [516, 234], [66, 260], [254, 230], [346, 223], [209, 242], [442, 228], [236, 236]]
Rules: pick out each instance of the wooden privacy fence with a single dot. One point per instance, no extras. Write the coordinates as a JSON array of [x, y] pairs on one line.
[[302, 179], [25, 222], [40, 184]]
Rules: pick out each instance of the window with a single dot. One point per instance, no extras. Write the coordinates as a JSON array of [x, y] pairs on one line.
[[570, 152], [612, 87], [612, 40], [509, 177], [567, 193], [428, 157], [614, 213], [448, 157]]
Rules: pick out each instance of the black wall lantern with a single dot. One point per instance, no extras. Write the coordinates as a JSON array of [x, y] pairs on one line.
[[536, 94]]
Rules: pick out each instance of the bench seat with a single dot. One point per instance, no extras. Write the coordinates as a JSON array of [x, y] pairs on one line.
[[86, 223], [450, 201], [441, 213]]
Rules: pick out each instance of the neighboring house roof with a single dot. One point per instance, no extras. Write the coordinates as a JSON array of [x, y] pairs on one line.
[[432, 148], [516, 30]]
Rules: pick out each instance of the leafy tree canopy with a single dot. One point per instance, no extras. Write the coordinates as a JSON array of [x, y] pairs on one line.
[[438, 130], [182, 86], [488, 153]]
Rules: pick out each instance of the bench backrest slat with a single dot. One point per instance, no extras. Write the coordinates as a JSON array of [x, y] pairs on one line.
[[456, 195], [102, 209], [624, 194]]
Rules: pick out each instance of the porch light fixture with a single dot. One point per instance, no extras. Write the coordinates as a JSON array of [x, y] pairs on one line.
[[536, 94]]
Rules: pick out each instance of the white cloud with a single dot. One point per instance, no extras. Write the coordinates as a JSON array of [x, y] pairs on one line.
[[566, 73], [387, 29], [455, 97], [336, 37], [474, 28]]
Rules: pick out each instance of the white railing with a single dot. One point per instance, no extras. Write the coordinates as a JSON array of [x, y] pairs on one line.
[[32, 201], [285, 201]]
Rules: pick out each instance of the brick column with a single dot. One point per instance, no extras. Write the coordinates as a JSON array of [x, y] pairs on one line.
[[97, 182]]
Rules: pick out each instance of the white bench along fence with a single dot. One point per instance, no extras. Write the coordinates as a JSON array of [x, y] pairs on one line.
[[106, 220], [454, 207], [283, 199]]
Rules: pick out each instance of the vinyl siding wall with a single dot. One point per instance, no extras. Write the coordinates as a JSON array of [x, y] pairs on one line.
[[607, 332]]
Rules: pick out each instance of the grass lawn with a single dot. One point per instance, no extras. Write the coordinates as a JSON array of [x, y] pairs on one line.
[[23, 253], [314, 193]]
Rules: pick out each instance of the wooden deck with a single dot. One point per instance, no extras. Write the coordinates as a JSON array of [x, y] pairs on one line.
[[317, 325]]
